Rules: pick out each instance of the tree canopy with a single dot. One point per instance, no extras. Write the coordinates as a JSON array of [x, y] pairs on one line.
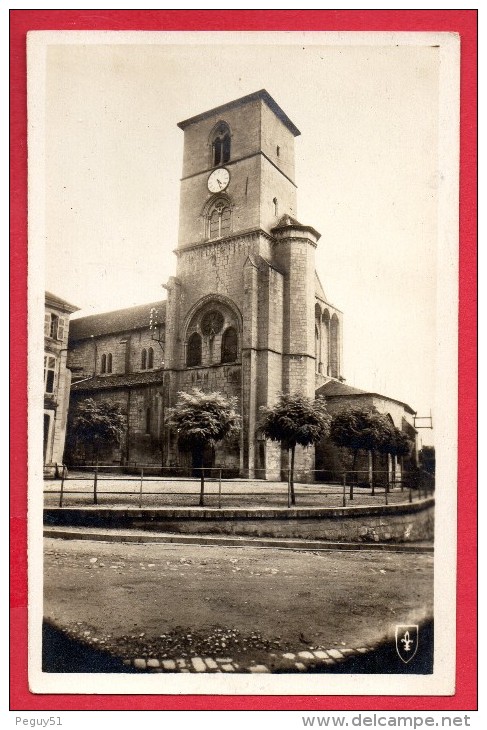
[[360, 428], [201, 420], [295, 419], [97, 423]]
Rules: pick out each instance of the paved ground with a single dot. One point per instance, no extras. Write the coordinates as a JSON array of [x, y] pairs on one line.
[[181, 608], [114, 489]]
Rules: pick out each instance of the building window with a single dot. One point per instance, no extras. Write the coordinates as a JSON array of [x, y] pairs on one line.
[[49, 373], [229, 345], [193, 355], [219, 220], [278, 150], [54, 326], [317, 349], [106, 363], [334, 347], [221, 145], [148, 420], [276, 207], [143, 359], [150, 358]]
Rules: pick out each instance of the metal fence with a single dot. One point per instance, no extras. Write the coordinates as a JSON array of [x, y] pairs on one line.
[[148, 486]]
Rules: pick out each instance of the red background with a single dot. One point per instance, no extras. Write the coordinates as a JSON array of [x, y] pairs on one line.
[[463, 22]]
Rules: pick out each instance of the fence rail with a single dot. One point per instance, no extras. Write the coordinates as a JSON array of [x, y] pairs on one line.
[[156, 486]]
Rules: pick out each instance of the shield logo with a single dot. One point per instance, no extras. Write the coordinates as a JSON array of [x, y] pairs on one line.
[[407, 638]]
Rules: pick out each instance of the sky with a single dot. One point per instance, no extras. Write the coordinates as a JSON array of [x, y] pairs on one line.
[[367, 171]]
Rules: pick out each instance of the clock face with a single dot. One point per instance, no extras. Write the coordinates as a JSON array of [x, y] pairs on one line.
[[218, 180]]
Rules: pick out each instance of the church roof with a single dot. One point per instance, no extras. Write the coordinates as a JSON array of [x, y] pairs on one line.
[[287, 221], [319, 291], [262, 94], [108, 382], [121, 320], [337, 389], [55, 301]]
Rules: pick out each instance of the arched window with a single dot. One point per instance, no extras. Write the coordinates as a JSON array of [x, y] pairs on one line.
[[325, 343], [109, 362], [103, 367], [317, 349], [143, 359], [150, 358], [334, 364], [229, 345], [221, 145], [219, 220], [193, 354], [276, 206]]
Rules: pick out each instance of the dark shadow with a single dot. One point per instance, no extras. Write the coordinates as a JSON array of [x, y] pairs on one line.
[[61, 653], [385, 660]]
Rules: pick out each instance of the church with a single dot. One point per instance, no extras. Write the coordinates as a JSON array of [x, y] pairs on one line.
[[245, 313]]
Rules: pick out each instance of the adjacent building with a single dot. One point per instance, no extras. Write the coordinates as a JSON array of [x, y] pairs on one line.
[[57, 378]]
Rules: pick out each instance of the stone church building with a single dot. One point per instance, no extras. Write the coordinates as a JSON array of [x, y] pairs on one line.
[[245, 313]]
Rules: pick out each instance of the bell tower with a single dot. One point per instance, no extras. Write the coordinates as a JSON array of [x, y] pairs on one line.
[[240, 310]]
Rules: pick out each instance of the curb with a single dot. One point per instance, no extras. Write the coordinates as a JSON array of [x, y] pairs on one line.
[[225, 541]]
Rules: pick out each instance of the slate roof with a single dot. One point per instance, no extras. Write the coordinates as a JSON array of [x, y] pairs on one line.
[[56, 301], [287, 221], [262, 94], [108, 382], [122, 320], [336, 389]]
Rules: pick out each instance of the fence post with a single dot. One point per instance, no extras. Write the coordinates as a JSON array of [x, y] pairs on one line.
[[220, 489], [351, 489], [289, 488], [95, 486], [62, 486], [410, 493], [386, 493], [141, 482], [344, 486]]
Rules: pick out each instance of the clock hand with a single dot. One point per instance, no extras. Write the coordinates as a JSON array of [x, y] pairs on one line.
[[220, 184]]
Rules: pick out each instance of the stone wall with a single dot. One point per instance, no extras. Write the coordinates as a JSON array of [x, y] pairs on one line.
[[384, 524]]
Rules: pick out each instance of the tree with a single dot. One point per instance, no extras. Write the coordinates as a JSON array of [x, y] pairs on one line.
[[402, 446], [295, 419], [97, 424], [200, 420], [360, 429]]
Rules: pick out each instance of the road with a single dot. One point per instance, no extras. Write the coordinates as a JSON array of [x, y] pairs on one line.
[[174, 602]]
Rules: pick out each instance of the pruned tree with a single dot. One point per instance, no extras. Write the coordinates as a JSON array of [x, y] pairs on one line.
[[360, 429], [201, 420], [97, 424], [295, 419], [401, 446]]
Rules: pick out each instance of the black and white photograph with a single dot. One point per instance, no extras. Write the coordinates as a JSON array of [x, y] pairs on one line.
[[243, 281]]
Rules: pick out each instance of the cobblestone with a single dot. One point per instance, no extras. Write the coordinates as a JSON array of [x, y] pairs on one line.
[[299, 661], [198, 664], [335, 654]]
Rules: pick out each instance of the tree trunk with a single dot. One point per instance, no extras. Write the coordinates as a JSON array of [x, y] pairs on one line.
[[371, 472], [293, 496], [199, 462], [354, 467]]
